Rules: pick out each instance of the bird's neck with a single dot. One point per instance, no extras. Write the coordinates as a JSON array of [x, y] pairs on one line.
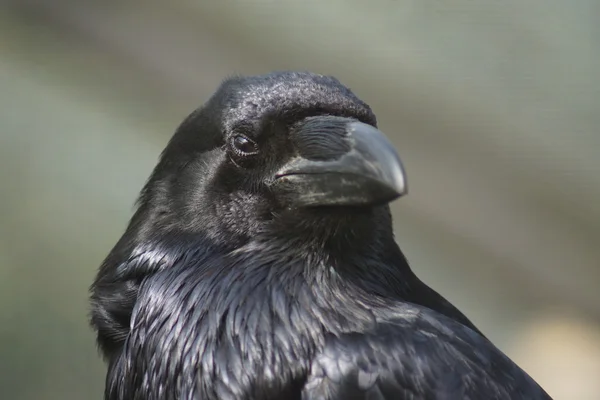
[[291, 300], [245, 320], [371, 274], [212, 321]]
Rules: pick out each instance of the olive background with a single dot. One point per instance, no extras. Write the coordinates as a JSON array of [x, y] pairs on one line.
[[494, 107]]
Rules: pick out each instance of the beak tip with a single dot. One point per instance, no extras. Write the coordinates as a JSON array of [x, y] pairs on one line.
[[399, 183]]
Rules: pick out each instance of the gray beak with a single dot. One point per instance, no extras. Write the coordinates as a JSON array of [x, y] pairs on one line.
[[366, 170]]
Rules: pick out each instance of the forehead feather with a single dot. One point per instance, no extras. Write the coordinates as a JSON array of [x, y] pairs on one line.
[[288, 96]]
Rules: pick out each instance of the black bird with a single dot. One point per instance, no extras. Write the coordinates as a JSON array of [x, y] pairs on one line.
[[261, 264]]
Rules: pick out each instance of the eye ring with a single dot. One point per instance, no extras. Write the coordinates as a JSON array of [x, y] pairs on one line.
[[243, 146]]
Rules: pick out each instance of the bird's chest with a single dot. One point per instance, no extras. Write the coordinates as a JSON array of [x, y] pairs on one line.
[[245, 338]]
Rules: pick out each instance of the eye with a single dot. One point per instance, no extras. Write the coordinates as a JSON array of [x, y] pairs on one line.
[[243, 145]]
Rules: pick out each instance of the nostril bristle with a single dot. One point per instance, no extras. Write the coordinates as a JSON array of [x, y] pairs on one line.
[[322, 138]]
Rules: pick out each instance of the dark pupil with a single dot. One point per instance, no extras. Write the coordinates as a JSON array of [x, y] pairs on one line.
[[243, 144]]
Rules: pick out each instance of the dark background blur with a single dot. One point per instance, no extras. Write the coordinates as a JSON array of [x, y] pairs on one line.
[[494, 107]]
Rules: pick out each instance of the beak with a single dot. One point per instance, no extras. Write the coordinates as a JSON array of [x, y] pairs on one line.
[[366, 171]]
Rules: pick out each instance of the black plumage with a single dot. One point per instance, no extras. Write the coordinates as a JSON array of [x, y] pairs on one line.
[[260, 264]]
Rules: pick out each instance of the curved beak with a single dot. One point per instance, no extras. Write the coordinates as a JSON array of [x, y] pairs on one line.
[[365, 171]]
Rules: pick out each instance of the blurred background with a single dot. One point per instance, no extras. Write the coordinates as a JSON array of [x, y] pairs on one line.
[[494, 107]]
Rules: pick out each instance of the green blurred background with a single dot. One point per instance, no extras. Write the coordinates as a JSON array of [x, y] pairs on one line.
[[494, 107]]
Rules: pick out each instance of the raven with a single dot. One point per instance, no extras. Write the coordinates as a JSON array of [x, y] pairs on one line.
[[260, 263]]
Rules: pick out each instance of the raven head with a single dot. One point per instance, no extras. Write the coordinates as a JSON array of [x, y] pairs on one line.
[[284, 148]]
